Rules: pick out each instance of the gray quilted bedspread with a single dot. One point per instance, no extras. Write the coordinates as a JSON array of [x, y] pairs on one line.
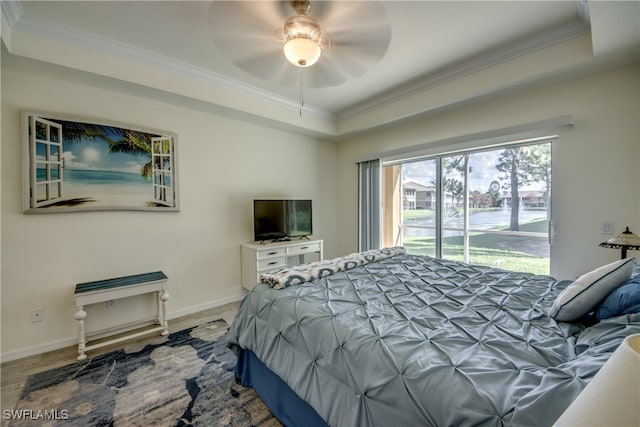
[[417, 341]]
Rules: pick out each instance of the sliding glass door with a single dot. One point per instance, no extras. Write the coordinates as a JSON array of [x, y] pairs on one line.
[[489, 207]]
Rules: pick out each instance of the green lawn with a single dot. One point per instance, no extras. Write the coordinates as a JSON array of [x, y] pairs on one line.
[[487, 249]]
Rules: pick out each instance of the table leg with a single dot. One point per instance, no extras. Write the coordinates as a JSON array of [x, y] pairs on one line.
[[163, 296], [82, 341]]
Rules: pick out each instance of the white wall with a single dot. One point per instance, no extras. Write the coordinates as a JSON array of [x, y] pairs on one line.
[[595, 163], [223, 165]]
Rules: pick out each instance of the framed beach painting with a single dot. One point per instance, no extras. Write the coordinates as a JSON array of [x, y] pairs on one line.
[[83, 165]]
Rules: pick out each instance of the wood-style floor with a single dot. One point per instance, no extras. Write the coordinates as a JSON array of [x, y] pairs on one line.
[[13, 374]]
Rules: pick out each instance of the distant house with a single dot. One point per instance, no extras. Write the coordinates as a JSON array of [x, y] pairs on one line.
[[418, 196], [528, 199]]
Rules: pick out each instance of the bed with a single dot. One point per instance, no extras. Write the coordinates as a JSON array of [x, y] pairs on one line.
[[385, 338]]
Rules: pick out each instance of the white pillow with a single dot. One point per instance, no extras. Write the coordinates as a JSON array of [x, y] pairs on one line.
[[580, 297]]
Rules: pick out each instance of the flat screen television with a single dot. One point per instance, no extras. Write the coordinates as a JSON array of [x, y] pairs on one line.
[[281, 220]]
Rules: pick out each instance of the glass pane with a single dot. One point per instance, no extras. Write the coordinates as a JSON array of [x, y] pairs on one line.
[[453, 172], [54, 151], [420, 241], [53, 135], [53, 191], [41, 192], [452, 209], [157, 192], [496, 178], [453, 245], [41, 151], [41, 172], [157, 162], [162, 146], [162, 178], [55, 175], [517, 253], [418, 207], [41, 131], [491, 187]]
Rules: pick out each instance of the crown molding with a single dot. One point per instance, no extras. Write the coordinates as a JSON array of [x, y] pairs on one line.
[[104, 45], [525, 46]]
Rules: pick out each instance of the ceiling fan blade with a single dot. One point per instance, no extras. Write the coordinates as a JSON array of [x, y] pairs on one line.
[[324, 74], [359, 35], [268, 66], [357, 51], [249, 34], [353, 15]]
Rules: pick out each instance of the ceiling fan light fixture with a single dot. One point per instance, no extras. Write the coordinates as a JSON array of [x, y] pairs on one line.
[[302, 34], [302, 52]]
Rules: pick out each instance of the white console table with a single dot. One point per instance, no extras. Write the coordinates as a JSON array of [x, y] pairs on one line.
[[258, 258], [120, 287]]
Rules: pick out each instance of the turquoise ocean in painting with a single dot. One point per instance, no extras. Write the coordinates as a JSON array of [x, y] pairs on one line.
[[100, 178], [83, 178], [105, 187]]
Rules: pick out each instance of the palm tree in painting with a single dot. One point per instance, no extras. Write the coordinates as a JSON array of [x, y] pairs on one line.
[[118, 140], [134, 143]]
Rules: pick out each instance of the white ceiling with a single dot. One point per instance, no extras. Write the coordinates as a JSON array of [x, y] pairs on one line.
[[432, 43]]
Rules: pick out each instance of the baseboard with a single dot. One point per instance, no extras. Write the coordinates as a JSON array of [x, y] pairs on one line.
[[206, 306], [38, 349], [73, 341]]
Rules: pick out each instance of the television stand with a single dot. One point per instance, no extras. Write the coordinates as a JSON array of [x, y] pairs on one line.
[[258, 258]]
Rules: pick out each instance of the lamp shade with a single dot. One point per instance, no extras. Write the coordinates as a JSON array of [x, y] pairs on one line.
[[302, 52], [626, 238], [613, 395]]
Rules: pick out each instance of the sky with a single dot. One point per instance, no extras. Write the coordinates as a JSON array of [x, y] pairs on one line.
[[483, 172], [93, 155]]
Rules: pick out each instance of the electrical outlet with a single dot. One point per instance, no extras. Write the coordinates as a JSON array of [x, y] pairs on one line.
[[607, 228], [37, 315]]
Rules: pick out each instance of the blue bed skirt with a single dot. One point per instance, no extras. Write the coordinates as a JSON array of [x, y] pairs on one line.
[[287, 407]]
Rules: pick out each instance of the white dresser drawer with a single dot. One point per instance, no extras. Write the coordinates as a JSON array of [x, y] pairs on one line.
[[258, 257], [272, 263], [305, 249], [270, 253]]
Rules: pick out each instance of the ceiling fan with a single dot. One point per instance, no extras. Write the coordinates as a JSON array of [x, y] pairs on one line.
[[333, 41]]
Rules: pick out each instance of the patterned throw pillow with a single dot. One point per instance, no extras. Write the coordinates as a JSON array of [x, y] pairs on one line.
[[580, 297]]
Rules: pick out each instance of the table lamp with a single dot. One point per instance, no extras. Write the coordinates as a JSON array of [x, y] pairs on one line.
[[613, 395], [625, 240]]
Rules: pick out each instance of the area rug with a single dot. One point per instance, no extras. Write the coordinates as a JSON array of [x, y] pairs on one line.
[[184, 379]]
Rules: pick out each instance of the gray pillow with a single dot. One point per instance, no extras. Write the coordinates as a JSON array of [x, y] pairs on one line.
[[580, 297]]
